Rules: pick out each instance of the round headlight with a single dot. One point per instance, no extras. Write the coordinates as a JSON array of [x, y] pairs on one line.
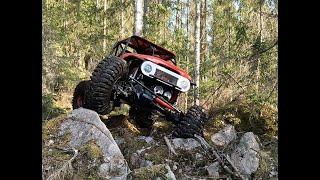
[[158, 90], [147, 68], [184, 84], [167, 94]]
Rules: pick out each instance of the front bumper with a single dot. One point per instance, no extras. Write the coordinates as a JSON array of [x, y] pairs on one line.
[[146, 98]]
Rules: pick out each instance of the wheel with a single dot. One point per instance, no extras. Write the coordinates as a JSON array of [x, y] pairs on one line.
[[100, 92], [192, 123], [79, 93], [142, 117]]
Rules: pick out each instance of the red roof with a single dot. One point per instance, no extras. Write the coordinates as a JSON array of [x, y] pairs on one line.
[[143, 46]]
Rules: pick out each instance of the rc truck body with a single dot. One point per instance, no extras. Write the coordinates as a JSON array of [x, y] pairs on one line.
[[145, 76]]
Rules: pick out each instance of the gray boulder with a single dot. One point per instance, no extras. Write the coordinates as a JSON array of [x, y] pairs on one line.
[[138, 161], [213, 169], [245, 156], [85, 126], [185, 144], [224, 136], [147, 139]]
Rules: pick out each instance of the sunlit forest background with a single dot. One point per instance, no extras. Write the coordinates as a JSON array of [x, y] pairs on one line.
[[238, 51]]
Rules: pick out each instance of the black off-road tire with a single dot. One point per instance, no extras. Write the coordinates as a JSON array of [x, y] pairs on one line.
[[143, 118], [103, 79], [79, 93], [192, 123]]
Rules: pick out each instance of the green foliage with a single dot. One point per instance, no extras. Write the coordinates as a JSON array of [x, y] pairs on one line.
[[236, 36], [249, 114], [49, 109]]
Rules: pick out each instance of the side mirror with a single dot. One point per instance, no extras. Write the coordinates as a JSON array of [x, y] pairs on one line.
[[193, 84]]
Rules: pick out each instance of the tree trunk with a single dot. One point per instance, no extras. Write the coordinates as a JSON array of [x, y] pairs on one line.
[[197, 54], [98, 3], [105, 27], [260, 34], [98, 6], [187, 55], [204, 37], [138, 28], [213, 72], [145, 13], [65, 15], [229, 33], [177, 16], [122, 22]]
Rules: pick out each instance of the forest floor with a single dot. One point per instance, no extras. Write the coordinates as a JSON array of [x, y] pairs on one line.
[[141, 150], [188, 164]]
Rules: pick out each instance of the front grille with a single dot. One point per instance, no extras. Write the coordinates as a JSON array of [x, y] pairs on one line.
[[166, 77]]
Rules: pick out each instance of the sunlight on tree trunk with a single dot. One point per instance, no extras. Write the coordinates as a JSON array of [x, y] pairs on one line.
[[122, 21], [105, 27], [138, 28], [197, 53], [187, 54]]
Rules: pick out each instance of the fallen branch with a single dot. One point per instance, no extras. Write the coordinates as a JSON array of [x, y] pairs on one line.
[[212, 150], [171, 149], [66, 166]]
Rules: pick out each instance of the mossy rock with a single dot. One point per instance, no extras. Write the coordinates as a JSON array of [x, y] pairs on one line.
[[78, 145]]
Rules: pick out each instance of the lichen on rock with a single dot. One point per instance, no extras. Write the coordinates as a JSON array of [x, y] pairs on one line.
[[224, 136], [245, 157], [99, 155]]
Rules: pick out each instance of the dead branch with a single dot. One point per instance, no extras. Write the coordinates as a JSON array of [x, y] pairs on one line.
[[255, 56], [270, 94], [213, 113], [269, 142], [212, 94], [209, 148], [268, 48], [235, 81], [171, 149], [274, 87], [66, 166]]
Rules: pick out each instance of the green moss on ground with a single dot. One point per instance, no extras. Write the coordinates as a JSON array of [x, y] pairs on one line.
[[147, 173], [157, 155], [51, 127]]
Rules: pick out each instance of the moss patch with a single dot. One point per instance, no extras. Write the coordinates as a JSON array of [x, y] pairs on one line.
[[264, 166], [94, 151], [51, 127], [261, 119], [150, 172], [157, 154], [87, 163]]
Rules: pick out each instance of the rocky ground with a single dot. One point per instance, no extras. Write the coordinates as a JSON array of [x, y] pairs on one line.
[[80, 146]]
